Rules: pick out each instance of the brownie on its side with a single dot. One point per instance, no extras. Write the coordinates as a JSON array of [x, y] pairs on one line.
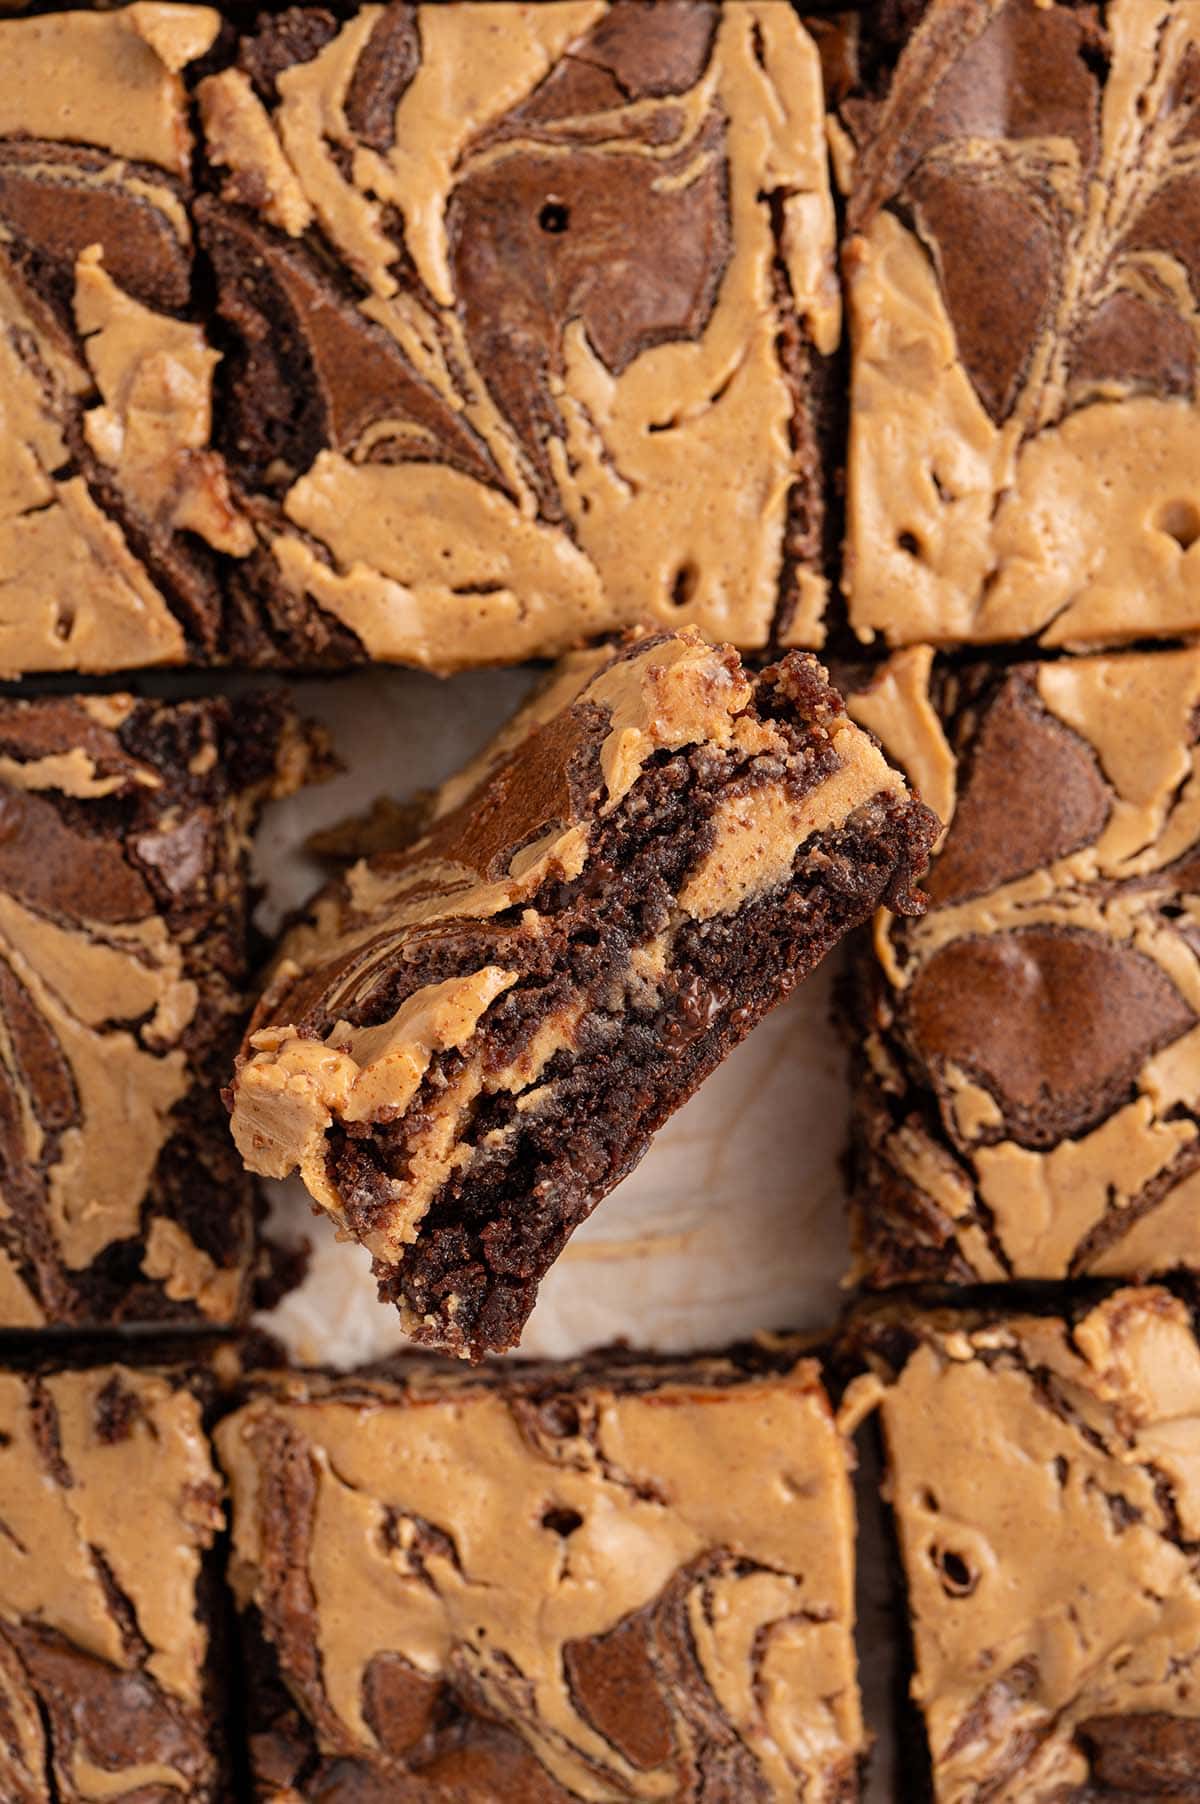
[[1042, 1475], [1023, 264], [619, 1579], [513, 332], [1028, 1055], [124, 916], [109, 1504], [469, 1042]]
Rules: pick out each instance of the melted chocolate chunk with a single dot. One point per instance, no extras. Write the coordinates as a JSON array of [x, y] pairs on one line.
[[615, 1686], [640, 50], [1033, 793], [310, 371], [528, 234], [1137, 342], [58, 199], [382, 74], [1055, 1023], [293, 36], [996, 248], [1151, 1755]]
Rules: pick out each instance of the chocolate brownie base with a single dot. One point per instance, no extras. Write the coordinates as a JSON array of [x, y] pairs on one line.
[[110, 1675], [124, 928], [1041, 1477], [304, 356], [441, 1599], [1021, 260], [470, 1041], [1027, 1057]]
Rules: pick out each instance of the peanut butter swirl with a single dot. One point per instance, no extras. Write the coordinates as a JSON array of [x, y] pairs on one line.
[[519, 307], [1023, 284], [1045, 1481], [651, 854], [1047, 1007], [108, 1505], [566, 1586]]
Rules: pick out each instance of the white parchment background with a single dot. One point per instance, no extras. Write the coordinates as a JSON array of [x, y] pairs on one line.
[[733, 1222]]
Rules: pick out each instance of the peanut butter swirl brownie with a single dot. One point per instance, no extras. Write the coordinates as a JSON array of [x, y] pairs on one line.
[[124, 916], [1043, 1481], [1023, 267], [450, 334], [109, 1504], [467, 1043], [1028, 1055], [630, 1580]]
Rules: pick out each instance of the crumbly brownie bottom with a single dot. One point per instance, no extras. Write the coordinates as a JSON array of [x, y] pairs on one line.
[[492, 1232]]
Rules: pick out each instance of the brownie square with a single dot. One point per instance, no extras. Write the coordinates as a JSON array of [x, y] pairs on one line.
[[441, 334], [1022, 258], [124, 923], [467, 1043], [625, 1578], [1028, 1056], [109, 1507], [1042, 1474]]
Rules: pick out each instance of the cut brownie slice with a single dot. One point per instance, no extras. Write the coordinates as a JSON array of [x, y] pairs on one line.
[[1042, 1474], [124, 921], [1022, 260], [468, 1042], [112, 504], [1028, 1055], [109, 1505], [623, 1579], [428, 333]]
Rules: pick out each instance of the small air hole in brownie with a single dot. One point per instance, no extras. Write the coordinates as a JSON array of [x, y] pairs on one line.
[[957, 1577], [561, 1521], [554, 217]]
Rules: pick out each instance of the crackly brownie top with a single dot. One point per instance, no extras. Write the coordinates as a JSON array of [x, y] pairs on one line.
[[1051, 994], [513, 305], [108, 1503], [348, 1026], [1024, 262], [646, 1576], [1044, 1478], [123, 960]]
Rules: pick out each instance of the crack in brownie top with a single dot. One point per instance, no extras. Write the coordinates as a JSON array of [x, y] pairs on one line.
[[510, 317], [1023, 273], [1043, 1483], [645, 1593], [103, 1644], [1031, 1054]]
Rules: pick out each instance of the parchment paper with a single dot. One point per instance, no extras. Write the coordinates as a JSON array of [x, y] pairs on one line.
[[733, 1222]]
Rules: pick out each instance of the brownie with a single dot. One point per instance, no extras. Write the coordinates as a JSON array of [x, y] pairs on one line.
[[109, 1506], [1028, 1055], [1042, 1479], [622, 1578], [1022, 253], [124, 924], [415, 333], [466, 1043]]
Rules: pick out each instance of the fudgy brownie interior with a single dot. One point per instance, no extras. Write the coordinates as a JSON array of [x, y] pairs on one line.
[[471, 1042]]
